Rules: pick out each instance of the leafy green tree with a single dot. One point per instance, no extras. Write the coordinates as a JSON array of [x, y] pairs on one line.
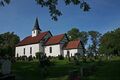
[[4, 2], [89, 49], [117, 41], [110, 42], [105, 43], [84, 37], [52, 6], [95, 38], [7, 43], [73, 34]]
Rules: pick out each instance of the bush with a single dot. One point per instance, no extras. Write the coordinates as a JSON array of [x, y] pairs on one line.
[[24, 58], [37, 55], [30, 58], [43, 59], [84, 59], [60, 57], [76, 61]]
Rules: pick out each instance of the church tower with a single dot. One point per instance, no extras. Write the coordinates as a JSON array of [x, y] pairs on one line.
[[36, 30]]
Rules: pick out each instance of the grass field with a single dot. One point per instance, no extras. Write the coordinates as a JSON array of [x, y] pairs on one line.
[[32, 70], [109, 70]]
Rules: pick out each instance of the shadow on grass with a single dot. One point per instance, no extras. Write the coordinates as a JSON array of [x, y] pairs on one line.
[[110, 70], [26, 71], [32, 70]]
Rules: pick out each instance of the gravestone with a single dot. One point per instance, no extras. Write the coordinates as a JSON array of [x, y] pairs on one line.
[[6, 69], [5, 66]]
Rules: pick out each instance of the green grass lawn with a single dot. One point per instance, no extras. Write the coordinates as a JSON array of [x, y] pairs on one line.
[[32, 70], [109, 70], [26, 70]]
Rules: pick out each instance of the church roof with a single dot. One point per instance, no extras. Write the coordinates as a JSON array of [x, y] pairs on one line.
[[36, 26], [32, 40], [55, 39], [73, 44]]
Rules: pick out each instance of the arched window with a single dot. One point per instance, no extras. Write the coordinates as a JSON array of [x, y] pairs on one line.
[[68, 53], [30, 50], [24, 51], [17, 55], [50, 49]]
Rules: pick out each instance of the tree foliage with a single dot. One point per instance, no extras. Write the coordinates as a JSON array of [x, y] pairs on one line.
[[55, 12], [4, 2], [52, 6], [95, 37], [84, 37], [74, 33], [7, 43], [110, 42]]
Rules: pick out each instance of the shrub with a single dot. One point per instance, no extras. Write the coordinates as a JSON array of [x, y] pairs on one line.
[[37, 55], [60, 57], [24, 58], [30, 58], [76, 61], [84, 59], [43, 59]]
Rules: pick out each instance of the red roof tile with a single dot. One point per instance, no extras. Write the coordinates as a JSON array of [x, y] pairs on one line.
[[72, 44], [55, 39], [31, 40]]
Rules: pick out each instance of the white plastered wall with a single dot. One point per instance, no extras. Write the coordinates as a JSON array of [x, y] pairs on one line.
[[71, 51], [35, 48], [56, 50]]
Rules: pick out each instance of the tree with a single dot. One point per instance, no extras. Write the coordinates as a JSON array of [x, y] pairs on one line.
[[117, 41], [73, 34], [4, 2], [110, 42], [95, 37], [89, 50], [52, 6], [84, 37], [7, 43]]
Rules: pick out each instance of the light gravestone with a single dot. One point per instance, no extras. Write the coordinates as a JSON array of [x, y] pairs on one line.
[[5, 66]]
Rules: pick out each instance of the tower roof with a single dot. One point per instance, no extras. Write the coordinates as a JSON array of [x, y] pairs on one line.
[[36, 26]]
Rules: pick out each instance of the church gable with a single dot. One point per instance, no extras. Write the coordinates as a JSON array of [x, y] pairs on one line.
[[33, 40], [57, 39], [76, 44], [46, 37], [65, 39]]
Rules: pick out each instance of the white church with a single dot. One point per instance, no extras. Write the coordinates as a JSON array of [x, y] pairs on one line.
[[47, 43]]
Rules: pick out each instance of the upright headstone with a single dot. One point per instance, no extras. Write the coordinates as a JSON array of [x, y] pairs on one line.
[[6, 66]]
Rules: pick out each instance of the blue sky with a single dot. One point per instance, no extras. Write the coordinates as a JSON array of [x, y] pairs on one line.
[[19, 17]]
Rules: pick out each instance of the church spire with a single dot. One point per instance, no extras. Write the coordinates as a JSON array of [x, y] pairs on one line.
[[36, 30], [36, 26]]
